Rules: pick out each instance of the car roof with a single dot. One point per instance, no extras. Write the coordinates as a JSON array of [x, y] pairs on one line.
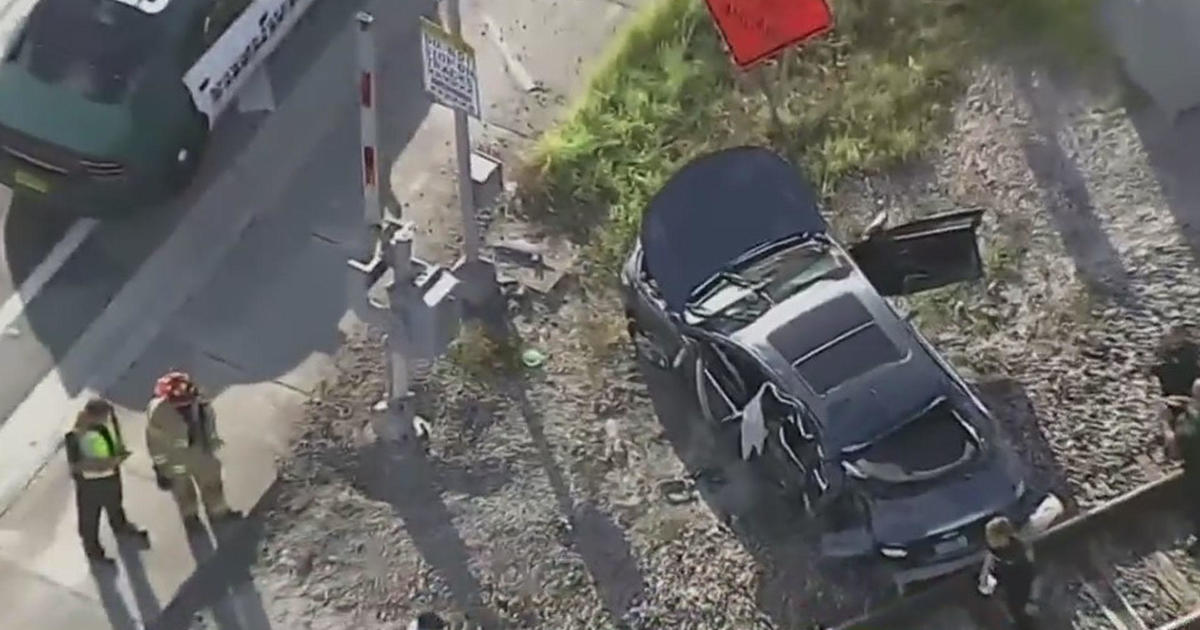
[[863, 372], [718, 207]]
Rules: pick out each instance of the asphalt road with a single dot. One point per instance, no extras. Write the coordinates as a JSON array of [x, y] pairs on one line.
[[84, 282]]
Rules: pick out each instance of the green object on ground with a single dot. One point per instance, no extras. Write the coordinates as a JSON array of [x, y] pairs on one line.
[[533, 358]]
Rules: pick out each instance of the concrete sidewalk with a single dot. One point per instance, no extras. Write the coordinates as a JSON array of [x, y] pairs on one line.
[[45, 581]]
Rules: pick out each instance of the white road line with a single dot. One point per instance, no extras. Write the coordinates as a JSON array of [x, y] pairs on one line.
[[514, 66], [12, 308]]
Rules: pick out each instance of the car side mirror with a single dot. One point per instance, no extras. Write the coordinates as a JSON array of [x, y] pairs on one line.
[[877, 225]]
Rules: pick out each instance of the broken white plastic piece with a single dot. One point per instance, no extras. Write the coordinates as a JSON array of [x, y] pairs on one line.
[[754, 426], [257, 95], [987, 584], [1046, 513]]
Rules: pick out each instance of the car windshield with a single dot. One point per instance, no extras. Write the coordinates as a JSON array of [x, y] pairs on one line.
[[933, 442], [96, 48], [732, 299]]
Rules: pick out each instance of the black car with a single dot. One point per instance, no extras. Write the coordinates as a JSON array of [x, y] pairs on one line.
[[737, 285]]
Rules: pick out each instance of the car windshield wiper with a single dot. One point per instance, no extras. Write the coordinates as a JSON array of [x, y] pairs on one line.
[[758, 288], [737, 280]]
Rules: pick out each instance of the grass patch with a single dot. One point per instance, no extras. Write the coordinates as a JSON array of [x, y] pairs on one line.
[[874, 93], [482, 357]]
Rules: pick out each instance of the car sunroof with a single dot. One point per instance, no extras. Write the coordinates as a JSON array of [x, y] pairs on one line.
[[817, 327], [833, 343]]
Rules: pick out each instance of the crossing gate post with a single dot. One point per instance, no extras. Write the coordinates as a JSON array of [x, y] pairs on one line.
[[422, 312]]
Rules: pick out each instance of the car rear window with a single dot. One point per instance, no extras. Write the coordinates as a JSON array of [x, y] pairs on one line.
[[933, 441], [97, 48]]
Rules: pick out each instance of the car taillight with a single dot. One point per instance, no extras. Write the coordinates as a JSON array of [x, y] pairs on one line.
[[102, 169]]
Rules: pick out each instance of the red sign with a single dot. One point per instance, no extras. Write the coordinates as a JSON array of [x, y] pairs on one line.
[[759, 29]]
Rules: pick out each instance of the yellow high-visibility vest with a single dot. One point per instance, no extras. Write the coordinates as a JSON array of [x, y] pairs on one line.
[[93, 445]]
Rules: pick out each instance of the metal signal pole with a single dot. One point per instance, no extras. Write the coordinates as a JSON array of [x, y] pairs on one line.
[[388, 245]]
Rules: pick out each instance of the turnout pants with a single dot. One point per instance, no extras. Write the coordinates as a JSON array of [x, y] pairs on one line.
[[203, 471], [92, 496]]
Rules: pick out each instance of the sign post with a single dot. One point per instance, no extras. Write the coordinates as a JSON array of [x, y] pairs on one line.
[[450, 78], [759, 30]]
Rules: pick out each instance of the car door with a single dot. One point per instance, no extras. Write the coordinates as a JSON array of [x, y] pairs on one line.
[[720, 389], [654, 332], [922, 255], [795, 458]]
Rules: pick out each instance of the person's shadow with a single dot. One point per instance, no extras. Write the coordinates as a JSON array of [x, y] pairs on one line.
[[222, 582], [143, 593], [119, 616]]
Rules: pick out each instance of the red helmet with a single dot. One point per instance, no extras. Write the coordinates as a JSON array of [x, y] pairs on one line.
[[175, 386]]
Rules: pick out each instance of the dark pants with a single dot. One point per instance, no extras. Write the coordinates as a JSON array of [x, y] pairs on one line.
[[93, 495], [1191, 492], [1016, 595]]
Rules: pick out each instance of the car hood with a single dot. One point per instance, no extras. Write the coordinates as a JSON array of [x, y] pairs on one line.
[[949, 503], [59, 116]]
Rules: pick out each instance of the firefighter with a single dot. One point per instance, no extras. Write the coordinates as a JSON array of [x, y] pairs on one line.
[[1181, 428], [1178, 361], [95, 451], [1009, 565], [182, 438]]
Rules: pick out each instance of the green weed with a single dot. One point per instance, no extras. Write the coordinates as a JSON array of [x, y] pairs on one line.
[[872, 94]]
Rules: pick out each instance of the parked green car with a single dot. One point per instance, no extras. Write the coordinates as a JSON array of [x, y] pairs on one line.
[[94, 115]]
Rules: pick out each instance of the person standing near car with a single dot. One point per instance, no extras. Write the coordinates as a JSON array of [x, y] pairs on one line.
[[1009, 565], [181, 434], [1181, 429], [95, 452], [1177, 363]]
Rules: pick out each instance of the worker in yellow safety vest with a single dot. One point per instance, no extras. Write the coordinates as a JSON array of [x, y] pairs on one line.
[[95, 452], [181, 435]]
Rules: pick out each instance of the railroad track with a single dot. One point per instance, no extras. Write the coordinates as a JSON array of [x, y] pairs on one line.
[[1121, 566]]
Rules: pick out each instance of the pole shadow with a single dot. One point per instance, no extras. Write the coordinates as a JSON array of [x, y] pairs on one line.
[[410, 483], [1065, 193], [1173, 148], [599, 540]]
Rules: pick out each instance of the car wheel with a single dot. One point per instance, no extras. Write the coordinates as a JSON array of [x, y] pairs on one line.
[[645, 348]]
